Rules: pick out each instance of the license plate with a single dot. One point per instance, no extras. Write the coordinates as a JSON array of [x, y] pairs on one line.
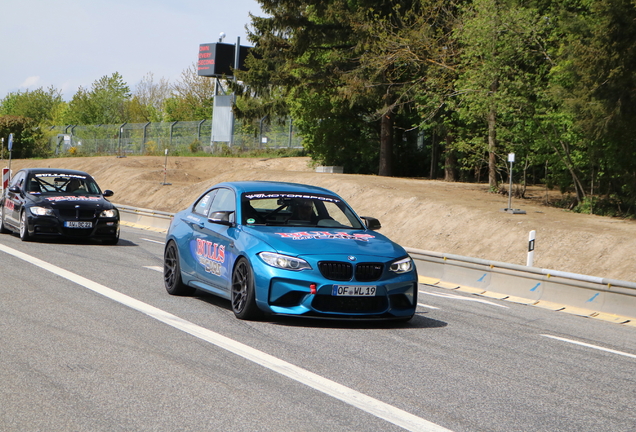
[[73, 224], [353, 291]]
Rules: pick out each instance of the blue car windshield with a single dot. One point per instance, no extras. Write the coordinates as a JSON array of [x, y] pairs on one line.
[[62, 184], [297, 209]]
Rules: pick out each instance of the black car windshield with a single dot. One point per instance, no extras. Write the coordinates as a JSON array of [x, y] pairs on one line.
[[297, 209], [62, 184]]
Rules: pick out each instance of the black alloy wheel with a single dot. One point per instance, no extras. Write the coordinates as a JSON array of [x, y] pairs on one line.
[[243, 295], [172, 272]]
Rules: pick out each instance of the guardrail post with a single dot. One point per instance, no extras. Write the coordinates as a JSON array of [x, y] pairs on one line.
[[531, 238]]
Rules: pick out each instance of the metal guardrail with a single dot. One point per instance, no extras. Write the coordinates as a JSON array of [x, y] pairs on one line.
[[602, 298], [609, 299], [146, 218]]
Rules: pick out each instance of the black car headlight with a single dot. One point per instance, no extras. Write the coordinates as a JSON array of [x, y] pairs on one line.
[[112, 213], [403, 265], [41, 211], [284, 261]]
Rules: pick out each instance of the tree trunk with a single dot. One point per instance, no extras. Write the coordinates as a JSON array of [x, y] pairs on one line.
[[450, 161], [386, 143], [492, 148]]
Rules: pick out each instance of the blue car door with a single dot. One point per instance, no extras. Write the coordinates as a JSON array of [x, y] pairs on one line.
[[214, 243]]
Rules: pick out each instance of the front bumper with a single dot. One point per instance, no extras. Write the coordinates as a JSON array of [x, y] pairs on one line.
[[307, 295], [48, 226]]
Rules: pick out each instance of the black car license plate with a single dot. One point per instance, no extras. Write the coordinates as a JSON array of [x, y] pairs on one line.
[[77, 224]]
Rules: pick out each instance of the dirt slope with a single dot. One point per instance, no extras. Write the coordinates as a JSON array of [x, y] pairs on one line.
[[455, 218]]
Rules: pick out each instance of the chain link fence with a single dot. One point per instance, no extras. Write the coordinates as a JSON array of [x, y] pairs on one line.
[[179, 138]]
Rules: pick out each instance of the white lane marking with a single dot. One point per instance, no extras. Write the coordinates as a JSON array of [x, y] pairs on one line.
[[458, 297], [359, 400], [596, 347], [155, 268], [153, 241], [427, 306]]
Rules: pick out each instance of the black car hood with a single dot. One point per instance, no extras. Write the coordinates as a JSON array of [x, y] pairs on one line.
[[71, 201]]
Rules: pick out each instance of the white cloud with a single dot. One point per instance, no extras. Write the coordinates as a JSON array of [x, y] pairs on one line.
[[31, 81]]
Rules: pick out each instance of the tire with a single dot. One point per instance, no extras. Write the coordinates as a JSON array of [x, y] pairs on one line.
[[24, 227], [172, 272], [3, 229], [243, 295], [111, 241]]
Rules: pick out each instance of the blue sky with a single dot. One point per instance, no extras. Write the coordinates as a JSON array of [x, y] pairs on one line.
[[72, 43]]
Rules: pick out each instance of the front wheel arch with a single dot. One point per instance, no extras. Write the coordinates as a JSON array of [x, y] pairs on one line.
[[243, 291]]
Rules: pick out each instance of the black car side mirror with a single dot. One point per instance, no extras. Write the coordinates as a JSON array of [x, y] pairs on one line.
[[108, 193], [14, 189], [221, 218], [372, 223]]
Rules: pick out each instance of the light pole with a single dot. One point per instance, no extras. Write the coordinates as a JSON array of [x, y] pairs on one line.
[[509, 209]]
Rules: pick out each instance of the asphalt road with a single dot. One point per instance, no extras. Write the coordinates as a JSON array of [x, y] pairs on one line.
[[90, 341]]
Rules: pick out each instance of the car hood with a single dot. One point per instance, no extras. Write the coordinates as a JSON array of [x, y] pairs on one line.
[[71, 201], [326, 241]]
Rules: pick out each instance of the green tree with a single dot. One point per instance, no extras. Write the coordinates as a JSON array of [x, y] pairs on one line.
[[192, 97], [352, 54], [104, 103], [504, 64], [38, 104], [147, 102]]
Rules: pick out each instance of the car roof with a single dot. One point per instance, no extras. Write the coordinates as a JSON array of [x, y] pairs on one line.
[[271, 186], [54, 171]]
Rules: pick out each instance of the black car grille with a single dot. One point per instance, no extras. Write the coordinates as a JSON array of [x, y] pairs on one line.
[[364, 305], [343, 271], [336, 270], [369, 272], [80, 214]]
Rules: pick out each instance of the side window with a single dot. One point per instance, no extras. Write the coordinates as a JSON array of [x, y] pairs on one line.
[[18, 179], [202, 206], [224, 201]]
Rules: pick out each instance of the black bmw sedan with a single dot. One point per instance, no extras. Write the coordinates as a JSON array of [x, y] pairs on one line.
[[50, 202]]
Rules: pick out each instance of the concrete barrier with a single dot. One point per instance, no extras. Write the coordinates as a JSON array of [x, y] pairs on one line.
[[590, 296]]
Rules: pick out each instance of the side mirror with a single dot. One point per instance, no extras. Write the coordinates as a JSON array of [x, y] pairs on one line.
[[108, 193], [372, 223], [222, 218], [14, 189]]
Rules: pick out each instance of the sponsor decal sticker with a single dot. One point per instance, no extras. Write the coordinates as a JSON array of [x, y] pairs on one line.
[[72, 198], [325, 235], [211, 256]]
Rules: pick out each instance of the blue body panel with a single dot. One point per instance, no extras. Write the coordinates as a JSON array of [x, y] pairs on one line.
[[209, 250]]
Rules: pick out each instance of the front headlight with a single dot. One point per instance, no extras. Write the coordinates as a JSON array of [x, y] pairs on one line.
[[41, 211], [284, 261], [109, 213], [402, 266]]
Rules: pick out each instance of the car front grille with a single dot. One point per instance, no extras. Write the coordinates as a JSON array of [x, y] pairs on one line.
[[336, 270], [344, 271], [75, 214], [369, 272]]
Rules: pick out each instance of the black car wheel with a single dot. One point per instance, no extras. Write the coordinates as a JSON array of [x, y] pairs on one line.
[[243, 296], [24, 227], [3, 229], [172, 272], [113, 240]]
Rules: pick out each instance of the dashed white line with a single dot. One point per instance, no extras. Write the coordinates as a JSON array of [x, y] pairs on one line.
[[155, 268], [596, 347], [359, 400], [458, 297], [152, 241]]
